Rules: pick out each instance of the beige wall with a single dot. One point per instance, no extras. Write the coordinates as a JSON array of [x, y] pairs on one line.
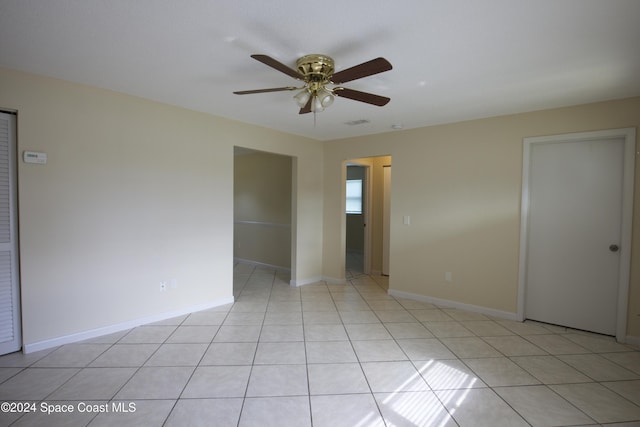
[[262, 208], [377, 172], [461, 185], [134, 193]]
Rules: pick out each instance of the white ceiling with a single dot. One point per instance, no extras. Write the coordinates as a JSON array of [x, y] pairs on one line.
[[452, 60]]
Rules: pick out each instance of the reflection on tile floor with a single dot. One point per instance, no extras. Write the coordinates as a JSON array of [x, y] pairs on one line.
[[328, 355]]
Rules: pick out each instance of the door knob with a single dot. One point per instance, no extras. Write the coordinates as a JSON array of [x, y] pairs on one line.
[[614, 248]]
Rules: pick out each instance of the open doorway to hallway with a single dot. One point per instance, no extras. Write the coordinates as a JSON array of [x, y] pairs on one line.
[[357, 215], [263, 214], [367, 216]]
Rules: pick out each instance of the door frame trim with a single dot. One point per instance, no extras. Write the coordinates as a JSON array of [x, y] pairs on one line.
[[629, 136], [386, 221], [17, 342]]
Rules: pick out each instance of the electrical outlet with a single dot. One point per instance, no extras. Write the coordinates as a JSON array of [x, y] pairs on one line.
[[163, 286]]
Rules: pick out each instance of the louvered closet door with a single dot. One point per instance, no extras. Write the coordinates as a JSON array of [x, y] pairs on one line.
[[10, 333]]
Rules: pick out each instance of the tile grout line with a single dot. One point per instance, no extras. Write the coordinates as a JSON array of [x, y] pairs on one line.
[[255, 353]]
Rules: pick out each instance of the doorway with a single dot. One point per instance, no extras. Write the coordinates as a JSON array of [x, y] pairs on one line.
[[264, 235], [10, 324], [366, 210], [576, 230], [357, 213]]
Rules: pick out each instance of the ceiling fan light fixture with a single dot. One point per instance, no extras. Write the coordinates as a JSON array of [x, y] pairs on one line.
[[315, 67], [302, 97], [325, 97], [317, 73], [316, 105]]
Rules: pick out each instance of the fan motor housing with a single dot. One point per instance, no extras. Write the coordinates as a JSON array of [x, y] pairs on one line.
[[315, 67]]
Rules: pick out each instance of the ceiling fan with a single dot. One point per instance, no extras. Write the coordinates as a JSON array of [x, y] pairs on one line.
[[317, 73]]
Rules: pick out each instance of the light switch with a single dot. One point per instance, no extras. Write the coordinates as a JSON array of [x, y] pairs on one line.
[[406, 220]]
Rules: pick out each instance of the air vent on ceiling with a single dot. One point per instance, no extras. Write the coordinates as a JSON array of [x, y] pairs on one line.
[[357, 122]]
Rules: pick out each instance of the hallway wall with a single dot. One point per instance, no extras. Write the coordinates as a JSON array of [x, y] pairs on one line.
[[262, 208]]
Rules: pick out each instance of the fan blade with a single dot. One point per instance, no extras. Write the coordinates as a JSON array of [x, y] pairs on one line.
[[307, 107], [356, 95], [369, 68], [267, 60], [275, 89]]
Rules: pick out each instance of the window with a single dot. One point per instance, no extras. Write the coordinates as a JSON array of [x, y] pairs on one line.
[[354, 196]]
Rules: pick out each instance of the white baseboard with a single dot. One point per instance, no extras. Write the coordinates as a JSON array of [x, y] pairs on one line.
[[633, 341], [261, 264], [302, 282], [454, 304], [331, 280], [94, 333], [335, 281]]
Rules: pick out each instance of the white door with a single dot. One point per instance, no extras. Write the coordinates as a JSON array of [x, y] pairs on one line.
[[10, 332], [386, 223], [574, 239]]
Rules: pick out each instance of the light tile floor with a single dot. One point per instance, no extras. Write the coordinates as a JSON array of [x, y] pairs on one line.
[[328, 355]]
